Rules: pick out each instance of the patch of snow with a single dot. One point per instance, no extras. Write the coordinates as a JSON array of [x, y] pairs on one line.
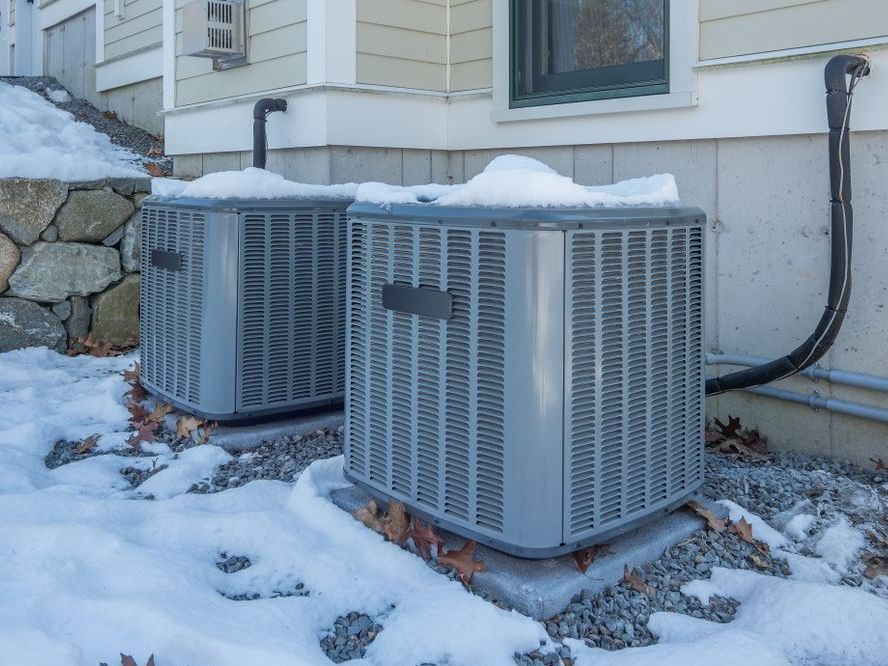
[[840, 545], [167, 187], [684, 644], [810, 623], [192, 465], [799, 526], [761, 531], [39, 140], [59, 96], [89, 571], [253, 183], [514, 181]]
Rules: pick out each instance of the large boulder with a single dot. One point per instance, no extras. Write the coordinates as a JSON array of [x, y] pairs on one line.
[[26, 324], [50, 272], [9, 259], [116, 313], [131, 244], [90, 215], [27, 206]]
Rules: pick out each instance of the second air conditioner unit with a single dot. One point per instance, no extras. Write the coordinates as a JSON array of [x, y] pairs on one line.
[[528, 378]]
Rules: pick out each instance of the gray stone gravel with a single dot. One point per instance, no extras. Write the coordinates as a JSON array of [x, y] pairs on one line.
[[132, 138], [774, 487], [282, 459], [349, 637], [232, 563]]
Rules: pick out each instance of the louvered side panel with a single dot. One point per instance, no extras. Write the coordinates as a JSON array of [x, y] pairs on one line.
[[292, 317], [358, 350], [172, 301], [634, 425], [426, 412]]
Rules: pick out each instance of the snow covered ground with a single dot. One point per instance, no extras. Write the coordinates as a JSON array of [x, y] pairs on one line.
[[38, 140], [90, 569]]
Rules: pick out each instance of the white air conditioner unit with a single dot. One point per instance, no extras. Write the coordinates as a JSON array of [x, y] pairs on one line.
[[215, 29]]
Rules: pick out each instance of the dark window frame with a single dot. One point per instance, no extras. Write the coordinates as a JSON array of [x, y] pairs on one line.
[[618, 81]]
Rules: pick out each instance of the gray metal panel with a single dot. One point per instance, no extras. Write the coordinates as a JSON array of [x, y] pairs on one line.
[[562, 402], [634, 406], [253, 323]]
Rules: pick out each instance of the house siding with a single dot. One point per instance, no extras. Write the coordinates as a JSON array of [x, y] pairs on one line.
[[276, 51], [471, 44], [140, 27], [730, 28], [402, 43]]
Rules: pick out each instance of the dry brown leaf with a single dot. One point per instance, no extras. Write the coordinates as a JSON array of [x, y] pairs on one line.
[[881, 465], [635, 581], [111, 115], [397, 524], [187, 425], [154, 170], [462, 561], [145, 433], [159, 412], [424, 537], [155, 151], [137, 392], [585, 557], [743, 529], [875, 566], [369, 516], [712, 522], [87, 444], [127, 660], [138, 413]]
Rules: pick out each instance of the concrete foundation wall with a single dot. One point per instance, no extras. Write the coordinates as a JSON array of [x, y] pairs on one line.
[[766, 200], [137, 104]]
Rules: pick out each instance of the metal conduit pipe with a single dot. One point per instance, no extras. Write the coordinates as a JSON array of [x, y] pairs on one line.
[[856, 379], [816, 402]]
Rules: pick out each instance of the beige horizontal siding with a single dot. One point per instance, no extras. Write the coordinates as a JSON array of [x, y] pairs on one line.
[[729, 28], [471, 44], [140, 27], [402, 43], [276, 51]]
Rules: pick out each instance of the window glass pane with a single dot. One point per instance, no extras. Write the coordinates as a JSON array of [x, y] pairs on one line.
[[571, 50], [588, 34]]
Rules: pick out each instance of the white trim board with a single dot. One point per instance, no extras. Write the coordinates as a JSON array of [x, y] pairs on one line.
[[779, 98], [141, 66]]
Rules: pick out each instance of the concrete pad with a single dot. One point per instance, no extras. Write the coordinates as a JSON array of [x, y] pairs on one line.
[[240, 438], [543, 588]]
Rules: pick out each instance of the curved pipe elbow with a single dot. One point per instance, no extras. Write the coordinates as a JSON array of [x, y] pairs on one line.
[[268, 105], [841, 66]]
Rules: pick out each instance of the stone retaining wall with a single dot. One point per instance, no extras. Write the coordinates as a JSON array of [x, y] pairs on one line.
[[69, 261]]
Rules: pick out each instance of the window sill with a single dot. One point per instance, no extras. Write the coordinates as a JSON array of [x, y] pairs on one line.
[[673, 100]]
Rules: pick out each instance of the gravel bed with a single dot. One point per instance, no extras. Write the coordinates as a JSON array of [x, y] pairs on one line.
[[139, 141], [233, 563], [282, 459], [775, 487], [299, 590], [350, 636]]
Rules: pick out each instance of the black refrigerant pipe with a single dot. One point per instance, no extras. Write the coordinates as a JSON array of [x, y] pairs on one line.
[[838, 111], [261, 111]]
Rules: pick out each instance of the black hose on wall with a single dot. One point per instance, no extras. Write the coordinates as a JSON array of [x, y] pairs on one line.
[[260, 116], [838, 110]]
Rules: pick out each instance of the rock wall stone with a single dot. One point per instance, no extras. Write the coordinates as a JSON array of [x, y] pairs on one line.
[[69, 261]]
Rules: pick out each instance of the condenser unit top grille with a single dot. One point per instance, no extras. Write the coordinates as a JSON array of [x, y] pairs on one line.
[[213, 28]]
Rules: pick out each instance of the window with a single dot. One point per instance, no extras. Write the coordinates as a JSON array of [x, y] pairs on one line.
[[577, 50]]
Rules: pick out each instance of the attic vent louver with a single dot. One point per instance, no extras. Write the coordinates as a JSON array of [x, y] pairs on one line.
[[215, 29]]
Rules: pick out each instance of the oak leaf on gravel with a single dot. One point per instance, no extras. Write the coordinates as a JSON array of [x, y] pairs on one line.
[[712, 522], [187, 425], [396, 524], [87, 444], [635, 582], [462, 561], [743, 529]]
